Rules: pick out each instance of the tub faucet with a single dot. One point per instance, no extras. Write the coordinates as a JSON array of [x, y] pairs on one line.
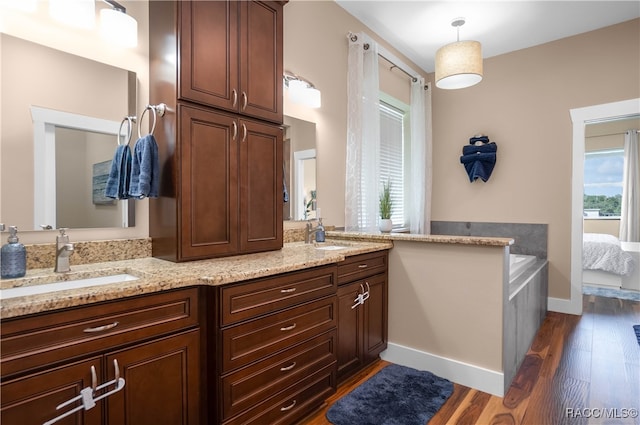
[[63, 250]]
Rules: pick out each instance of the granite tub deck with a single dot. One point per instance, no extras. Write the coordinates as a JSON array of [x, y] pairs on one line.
[[158, 275]]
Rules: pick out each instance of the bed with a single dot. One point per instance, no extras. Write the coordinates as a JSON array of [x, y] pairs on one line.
[[608, 262]]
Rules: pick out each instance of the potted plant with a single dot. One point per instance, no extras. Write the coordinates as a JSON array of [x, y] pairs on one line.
[[385, 207]]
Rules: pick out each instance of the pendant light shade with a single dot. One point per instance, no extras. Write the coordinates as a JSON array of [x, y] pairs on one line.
[[118, 27], [459, 64]]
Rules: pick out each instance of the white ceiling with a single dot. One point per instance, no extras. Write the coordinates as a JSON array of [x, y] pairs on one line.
[[418, 28]]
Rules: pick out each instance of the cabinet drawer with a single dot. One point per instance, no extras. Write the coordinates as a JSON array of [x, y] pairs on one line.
[[253, 340], [34, 341], [253, 384], [361, 266], [293, 404], [249, 300]]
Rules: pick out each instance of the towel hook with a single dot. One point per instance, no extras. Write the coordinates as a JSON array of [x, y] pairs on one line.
[[158, 109], [129, 120]]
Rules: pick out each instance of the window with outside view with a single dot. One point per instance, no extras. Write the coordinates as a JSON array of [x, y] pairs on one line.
[[603, 183], [393, 146]]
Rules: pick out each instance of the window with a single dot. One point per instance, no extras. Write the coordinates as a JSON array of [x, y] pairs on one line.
[[603, 183], [394, 139]]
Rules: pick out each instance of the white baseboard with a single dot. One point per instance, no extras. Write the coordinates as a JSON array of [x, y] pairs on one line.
[[482, 379], [561, 305]]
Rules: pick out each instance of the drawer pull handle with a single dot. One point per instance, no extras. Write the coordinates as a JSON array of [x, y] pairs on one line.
[[288, 328], [286, 368], [289, 407], [287, 291], [363, 266], [235, 97], [101, 328], [245, 99]]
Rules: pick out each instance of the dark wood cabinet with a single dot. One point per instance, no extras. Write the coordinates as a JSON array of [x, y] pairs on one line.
[[162, 382], [32, 399], [220, 145], [362, 312], [277, 352], [152, 341], [231, 56], [229, 194]]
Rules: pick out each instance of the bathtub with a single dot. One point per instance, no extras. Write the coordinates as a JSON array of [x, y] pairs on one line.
[[518, 264]]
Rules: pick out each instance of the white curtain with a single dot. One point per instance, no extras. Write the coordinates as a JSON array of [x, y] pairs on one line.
[[363, 135], [419, 205], [630, 214]]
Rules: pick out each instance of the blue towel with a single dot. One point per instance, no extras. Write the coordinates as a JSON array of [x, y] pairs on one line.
[[118, 181], [479, 165], [145, 169], [285, 192], [479, 160], [483, 139]]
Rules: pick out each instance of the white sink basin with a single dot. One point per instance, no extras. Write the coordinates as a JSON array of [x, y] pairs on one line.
[[330, 247], [64, 285]]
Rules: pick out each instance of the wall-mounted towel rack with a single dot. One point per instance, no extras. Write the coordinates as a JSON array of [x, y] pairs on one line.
[[158, 109], [130, 120]]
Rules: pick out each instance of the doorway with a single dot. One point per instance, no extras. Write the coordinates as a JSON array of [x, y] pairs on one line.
[[580, 118]]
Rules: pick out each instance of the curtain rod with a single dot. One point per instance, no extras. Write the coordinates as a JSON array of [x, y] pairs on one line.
[[414, 79], [389, 57]]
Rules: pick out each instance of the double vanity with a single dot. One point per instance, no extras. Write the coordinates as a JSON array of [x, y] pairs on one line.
[[258, 338]]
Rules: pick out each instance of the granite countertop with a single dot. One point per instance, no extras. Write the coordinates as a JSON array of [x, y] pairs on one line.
[[447, 239], [157, 275]]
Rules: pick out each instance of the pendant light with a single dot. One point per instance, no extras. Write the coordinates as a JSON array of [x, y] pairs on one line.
[[459, 64], [118, 27]]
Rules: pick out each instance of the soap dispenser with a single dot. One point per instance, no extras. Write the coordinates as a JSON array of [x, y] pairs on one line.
[[320, 234], [14, 256]]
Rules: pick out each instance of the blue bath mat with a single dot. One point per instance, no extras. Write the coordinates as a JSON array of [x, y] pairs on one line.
[[397, 395], [636, 328]]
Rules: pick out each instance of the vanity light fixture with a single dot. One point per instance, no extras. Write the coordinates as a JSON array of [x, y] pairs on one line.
[[76, 13], [302, 91], [459, 64], [28, 6], [117, 26]]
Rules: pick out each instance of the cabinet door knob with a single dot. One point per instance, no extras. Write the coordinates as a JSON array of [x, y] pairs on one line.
[[234, 94], [244, 100], [235, 130], [101, 328], [244, 132], [288, 328]]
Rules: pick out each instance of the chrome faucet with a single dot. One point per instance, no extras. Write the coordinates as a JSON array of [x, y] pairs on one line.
[[63, 250], [310, 231]]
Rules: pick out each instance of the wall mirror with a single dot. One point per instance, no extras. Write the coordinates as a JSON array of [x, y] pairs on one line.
[[299, 169], [60, 116]]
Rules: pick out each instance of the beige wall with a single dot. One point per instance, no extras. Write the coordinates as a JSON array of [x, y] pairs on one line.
[[438, 307], [523, 104], [316, 48]]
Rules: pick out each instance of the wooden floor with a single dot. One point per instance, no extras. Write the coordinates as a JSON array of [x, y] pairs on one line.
[[579, 370]]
